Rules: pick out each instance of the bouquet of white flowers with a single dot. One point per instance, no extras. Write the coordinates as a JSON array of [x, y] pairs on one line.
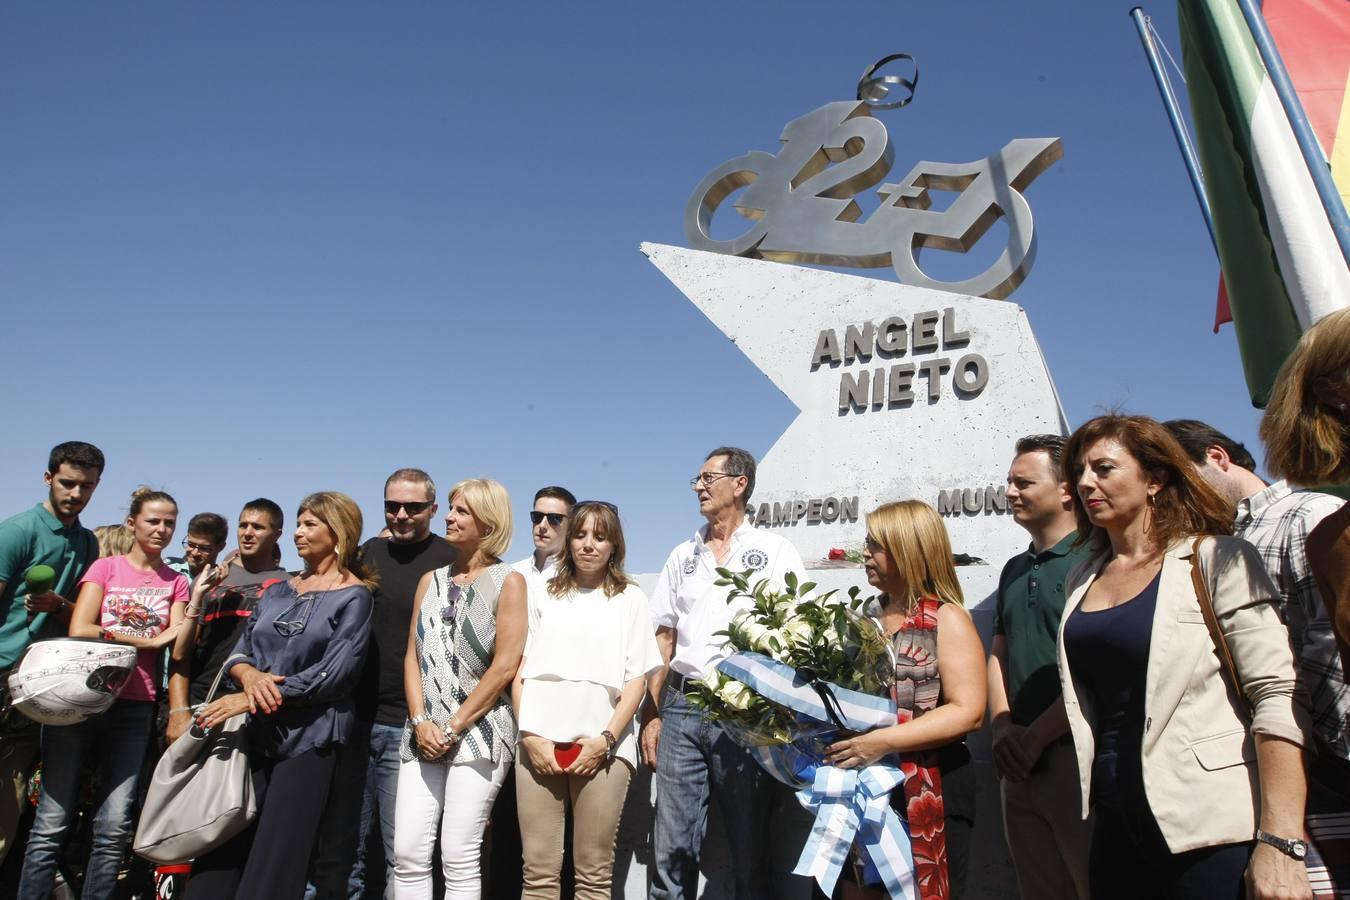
[[828, 643], [805, 672]]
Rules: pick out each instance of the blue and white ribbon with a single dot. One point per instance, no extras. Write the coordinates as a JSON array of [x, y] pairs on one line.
[[849, 803], [855, 804], [779, 683]]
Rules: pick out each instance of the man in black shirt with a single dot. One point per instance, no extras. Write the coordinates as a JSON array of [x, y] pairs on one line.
[[225, 609], [366, 780]]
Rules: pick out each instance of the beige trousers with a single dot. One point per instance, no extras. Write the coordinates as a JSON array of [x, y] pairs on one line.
[[1048, 840], [18, 759], [541, 804]]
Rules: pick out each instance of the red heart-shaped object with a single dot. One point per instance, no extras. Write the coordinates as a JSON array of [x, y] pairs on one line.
[[566, 753]]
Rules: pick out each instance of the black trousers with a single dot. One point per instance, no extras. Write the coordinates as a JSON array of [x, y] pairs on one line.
[[1130, 858], [271, 858]]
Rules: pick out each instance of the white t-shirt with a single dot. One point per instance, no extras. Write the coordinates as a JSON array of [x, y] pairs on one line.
[[687, 599], [582, 647]]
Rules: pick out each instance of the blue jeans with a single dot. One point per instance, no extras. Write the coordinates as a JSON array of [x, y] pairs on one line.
[[693, 758], [118, 740], [365, 785]]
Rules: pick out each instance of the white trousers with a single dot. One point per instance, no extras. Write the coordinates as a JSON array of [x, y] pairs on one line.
[[460, 797]]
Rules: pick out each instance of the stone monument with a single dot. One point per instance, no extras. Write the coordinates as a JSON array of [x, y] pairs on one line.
[[912, 389]]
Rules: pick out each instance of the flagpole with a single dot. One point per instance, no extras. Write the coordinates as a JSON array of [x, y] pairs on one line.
[[1174, 117], [1298, 120]]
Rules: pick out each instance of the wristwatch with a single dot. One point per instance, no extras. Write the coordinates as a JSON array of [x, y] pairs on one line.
[[610, 743], [1291, 847], [418, 719]]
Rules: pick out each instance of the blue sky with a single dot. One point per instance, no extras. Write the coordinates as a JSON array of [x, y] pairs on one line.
[[264, 249]]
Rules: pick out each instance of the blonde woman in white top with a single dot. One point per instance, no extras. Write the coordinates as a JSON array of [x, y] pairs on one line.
[[590, 648]]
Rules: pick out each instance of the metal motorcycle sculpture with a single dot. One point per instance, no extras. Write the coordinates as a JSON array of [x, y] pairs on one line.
[[801, 201]]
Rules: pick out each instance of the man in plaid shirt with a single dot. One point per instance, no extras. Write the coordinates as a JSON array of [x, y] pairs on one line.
[[1276, 520]]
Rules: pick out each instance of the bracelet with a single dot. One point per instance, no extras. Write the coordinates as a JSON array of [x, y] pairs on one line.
[[178, 709], [610, 742]]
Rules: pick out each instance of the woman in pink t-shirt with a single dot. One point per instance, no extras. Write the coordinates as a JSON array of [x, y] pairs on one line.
[[133, 599]]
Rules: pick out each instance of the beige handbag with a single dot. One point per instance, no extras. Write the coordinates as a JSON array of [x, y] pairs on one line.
[[202, 793]]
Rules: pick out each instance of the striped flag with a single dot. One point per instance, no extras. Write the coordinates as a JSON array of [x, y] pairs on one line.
[[1282, 267]]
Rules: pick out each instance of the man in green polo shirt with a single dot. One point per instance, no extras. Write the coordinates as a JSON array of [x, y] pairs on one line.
[[48, 534], [1038, 773]]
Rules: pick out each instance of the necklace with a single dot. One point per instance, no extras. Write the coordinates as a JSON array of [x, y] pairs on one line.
[[466, 577]]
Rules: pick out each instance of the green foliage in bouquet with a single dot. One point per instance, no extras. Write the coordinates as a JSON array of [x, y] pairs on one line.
[[824, 637]]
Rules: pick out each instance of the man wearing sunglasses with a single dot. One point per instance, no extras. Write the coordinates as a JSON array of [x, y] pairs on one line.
[[366, 780], [691, 755], [548, 526]]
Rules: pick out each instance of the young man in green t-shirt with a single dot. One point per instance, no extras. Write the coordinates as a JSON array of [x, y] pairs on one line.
[[48, 534], [1038, 773]]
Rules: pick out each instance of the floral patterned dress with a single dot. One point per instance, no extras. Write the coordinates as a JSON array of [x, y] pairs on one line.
[[929, 811]]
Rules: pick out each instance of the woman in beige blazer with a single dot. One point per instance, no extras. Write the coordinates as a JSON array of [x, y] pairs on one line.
[[1192, 784]]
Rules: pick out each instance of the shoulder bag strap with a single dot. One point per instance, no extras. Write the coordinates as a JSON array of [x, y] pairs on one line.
[[215, 685], [1202, 596]]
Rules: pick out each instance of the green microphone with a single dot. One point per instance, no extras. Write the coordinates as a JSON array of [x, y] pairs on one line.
[[39, 579]]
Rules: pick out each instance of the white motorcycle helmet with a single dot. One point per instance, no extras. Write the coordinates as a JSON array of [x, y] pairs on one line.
[[66, 680]]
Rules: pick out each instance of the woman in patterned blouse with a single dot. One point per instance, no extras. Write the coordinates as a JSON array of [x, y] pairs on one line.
[[939, 691], [464, 646]]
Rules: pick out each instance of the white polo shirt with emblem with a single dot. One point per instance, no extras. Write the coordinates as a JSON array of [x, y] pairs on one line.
[[686, 598]]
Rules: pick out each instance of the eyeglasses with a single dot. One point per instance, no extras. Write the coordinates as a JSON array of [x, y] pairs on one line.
[[709, 477], [605, 503], [414, 507], [554, 519], [294, 618], [455, 594], [198, 548]]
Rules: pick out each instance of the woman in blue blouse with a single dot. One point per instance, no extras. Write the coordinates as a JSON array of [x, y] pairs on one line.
[[297, 665]]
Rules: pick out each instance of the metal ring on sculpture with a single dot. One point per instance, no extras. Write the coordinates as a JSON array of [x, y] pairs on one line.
[[873, 88]]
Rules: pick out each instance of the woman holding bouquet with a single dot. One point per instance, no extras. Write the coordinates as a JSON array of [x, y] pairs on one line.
[[590, 647], [939, 691]]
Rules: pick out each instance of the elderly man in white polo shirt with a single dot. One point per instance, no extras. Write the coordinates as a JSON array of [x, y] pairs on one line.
[[691, 755]]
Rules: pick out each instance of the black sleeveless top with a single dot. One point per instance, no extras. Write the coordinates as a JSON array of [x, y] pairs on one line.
[[1108, 652]]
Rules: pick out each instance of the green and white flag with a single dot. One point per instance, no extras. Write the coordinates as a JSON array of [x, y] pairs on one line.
[[1282, 267]]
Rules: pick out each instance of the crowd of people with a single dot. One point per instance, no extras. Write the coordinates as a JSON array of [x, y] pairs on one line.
[[1166, 681]]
